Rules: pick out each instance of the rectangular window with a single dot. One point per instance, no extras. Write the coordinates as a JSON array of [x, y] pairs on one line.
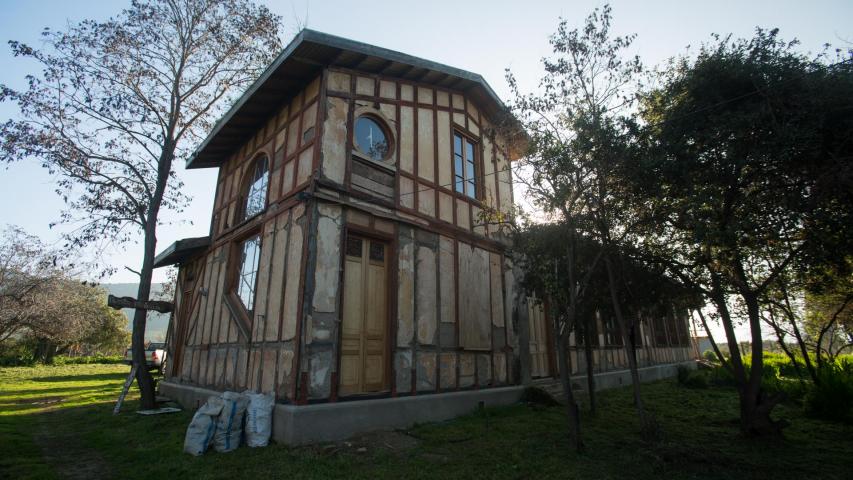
[[249, 262], [464, 166]]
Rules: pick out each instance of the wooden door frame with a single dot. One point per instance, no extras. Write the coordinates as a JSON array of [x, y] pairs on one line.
[[391, 275]]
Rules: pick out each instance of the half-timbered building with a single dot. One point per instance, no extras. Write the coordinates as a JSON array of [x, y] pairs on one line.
[[348, 269]]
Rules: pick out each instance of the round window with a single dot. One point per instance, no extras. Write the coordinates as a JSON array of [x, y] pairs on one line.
[[370, 138]]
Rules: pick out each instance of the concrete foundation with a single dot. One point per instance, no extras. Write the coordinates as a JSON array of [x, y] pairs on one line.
[[618, 378], [302, 424]]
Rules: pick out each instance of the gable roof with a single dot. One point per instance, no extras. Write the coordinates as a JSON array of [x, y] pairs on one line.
[[302, 60]]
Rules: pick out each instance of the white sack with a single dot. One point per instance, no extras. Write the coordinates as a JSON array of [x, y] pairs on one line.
[[229, 426], [259, 418], [202, 427]]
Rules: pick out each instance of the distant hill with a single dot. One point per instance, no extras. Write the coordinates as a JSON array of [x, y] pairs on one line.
[[158, 323]]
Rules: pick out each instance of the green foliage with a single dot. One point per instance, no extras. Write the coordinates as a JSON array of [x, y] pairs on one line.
[[829, 399], [692, 378], [832, 397], [88, 360], [710, 356], [14, 353]]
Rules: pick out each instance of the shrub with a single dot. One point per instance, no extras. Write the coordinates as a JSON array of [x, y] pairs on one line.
[[14, 353], [710, 356], [89, 359], [692, 378], [683, 373], [832, 397], [783, 365]]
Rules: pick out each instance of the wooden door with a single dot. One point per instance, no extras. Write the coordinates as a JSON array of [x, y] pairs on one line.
[[538, 338], [365, 317]]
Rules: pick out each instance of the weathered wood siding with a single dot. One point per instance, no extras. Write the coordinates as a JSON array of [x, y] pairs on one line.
[[422, 120], [214, 352]]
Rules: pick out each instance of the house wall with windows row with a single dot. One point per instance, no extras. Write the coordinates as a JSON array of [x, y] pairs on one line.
[[360, 199], [661, 338]]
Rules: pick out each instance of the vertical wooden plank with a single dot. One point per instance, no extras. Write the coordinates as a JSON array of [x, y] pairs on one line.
[[262, 282], [198, 334], [270, 360], [407, 139], [291, 287], [352, 362], [447, 280], [426, 160], [275, 296]]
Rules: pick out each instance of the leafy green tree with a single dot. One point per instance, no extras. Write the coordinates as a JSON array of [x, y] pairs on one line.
[[577, 124], [71, 314], [27, 266], [748, 176], [119, 102]]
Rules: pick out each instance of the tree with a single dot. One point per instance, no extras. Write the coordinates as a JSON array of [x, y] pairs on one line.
[[43, 306], [552, 256], [577, 125], [815, 309], [748, 176], [118, 102], [26, 267], [70, 314]]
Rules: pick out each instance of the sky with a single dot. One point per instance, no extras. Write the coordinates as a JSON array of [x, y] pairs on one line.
[[485, 37]]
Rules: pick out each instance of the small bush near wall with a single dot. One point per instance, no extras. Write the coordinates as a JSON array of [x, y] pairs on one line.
[[692, 378]]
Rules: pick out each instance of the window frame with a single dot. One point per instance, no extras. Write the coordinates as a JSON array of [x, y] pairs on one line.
[[238, 280], [386, 130], [248, 182], [244, 316], [476, 163]]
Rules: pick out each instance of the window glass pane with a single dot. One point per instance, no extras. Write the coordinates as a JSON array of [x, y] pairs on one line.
[[256, 197], [370, 138], [354, 246], [457, 144], [460, 184], [457, 166], [471, 190], [377, 252], [250, 258], [469, 155]]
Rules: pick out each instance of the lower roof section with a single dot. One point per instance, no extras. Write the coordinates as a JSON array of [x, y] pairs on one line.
[[181, 251]]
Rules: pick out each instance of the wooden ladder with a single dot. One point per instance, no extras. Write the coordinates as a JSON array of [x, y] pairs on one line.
[[125, 389]]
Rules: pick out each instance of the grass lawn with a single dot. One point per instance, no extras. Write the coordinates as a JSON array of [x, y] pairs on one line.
[[56, 422]]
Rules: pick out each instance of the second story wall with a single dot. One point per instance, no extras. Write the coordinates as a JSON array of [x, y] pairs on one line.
[[431, 132], [289, 140]]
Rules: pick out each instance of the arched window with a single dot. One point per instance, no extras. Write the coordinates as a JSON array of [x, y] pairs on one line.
[[256, 188]]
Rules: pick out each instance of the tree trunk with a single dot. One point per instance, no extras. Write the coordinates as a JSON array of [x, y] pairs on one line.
[[645, 422], [565, 379], [143, 376], [755, 405], [590, 373], [714, 345], [45, 351]]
